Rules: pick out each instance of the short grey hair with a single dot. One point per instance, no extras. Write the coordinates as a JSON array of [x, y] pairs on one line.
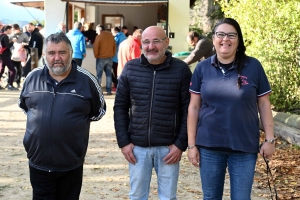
[[58, 38], [78, 25]]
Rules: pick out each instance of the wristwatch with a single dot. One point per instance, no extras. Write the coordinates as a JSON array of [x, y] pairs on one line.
[[272, 141]]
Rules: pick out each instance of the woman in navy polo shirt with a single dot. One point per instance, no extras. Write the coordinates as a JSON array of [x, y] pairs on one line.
[[227, 92]]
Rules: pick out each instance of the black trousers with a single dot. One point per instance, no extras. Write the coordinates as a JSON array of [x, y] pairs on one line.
[[18, 66], [114, 75], [6, 61], [56, 185], [27, 68], [78, 61]]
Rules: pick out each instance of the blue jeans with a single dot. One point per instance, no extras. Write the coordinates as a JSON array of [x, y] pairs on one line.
[[213, 166], [141, 172], [106, 65]]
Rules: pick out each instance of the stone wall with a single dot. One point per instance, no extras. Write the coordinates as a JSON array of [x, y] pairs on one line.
[[200, 15]]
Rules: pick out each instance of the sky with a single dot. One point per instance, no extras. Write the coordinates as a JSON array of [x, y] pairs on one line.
[[19, 13]]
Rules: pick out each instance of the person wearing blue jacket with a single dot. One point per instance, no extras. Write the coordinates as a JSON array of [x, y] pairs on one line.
[[119, 37], [78, 43]]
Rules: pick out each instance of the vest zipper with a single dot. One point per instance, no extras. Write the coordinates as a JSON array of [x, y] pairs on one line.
[[151, 104]]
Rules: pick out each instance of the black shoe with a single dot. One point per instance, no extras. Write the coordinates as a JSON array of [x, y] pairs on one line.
[[12, 88], [108, 93]]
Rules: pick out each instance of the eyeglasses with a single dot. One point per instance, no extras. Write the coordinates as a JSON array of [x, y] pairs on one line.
[[229, 35], [155, 41]]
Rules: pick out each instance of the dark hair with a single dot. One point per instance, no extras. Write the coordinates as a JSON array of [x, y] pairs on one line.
[[16, 26], [124, 27], [193, 34], [6, 27], [240, 55], [58, 38], [117, 29]]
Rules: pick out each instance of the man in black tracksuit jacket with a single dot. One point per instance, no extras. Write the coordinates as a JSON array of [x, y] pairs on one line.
[[36, 41], [150, 115], [60, 100]]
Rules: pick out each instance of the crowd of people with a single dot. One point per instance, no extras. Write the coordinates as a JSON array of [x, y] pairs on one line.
[[17, 44], [161, 108]]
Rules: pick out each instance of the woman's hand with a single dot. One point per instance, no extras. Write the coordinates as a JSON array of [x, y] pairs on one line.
[[194, 156], [267, 150]]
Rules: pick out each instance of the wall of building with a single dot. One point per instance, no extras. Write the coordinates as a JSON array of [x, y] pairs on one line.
[[140, 16], [179, 24], [54, 13]]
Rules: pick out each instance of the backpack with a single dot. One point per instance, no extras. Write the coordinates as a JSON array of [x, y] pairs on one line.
[[2, 49]]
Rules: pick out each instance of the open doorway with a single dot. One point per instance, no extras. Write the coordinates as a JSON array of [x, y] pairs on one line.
[[110, 21]]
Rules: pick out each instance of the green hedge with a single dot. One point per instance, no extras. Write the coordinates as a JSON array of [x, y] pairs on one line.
[[271, 31]]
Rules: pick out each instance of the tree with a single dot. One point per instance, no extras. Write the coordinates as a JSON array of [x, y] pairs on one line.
[[275, 41]]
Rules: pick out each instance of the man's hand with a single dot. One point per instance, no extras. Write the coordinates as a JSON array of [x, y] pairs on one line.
[[173, 156], [84, 55], [127, 152]]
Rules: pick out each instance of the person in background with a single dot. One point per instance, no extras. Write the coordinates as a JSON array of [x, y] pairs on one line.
[[90, 34], [19, 52], [125, 31], [129, 49], [25, 30], [41, 28], [61, 27], [78, 43], [134, 28], [119, 37], [150, 114], [1, 26], [36, 41], [228, 90], [203, 47], [5, 57], [104, 49], [57, 130]]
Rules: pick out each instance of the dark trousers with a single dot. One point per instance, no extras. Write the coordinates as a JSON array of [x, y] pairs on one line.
[[56, 185], [18, 66], [6, 61], [78, 61], [114, 75], [27, 67]]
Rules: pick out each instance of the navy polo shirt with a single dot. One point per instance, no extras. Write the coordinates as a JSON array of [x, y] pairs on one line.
[[228, 116]]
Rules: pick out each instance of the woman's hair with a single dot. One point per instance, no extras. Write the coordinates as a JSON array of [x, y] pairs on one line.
[[241, 49], [193, 34]]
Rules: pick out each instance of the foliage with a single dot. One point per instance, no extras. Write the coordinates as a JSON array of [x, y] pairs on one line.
[[285, 169], [200, 16], [275, 41]]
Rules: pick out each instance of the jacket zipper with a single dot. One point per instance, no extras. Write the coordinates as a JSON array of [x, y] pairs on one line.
[[175, 124], [151, 104], [49, 136]]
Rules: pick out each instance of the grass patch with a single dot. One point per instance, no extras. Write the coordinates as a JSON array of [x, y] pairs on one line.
[[3, 187]]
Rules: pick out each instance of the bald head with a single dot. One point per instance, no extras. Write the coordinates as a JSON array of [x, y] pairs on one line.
[[154, 44], [154, 30]]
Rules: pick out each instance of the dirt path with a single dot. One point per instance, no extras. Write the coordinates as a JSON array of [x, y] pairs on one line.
[[105, 170]]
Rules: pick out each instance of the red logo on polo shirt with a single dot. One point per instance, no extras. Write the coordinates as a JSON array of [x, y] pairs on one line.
[[244, 80]]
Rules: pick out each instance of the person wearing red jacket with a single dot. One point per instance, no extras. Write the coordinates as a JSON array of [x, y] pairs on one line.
[[129, 49]]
